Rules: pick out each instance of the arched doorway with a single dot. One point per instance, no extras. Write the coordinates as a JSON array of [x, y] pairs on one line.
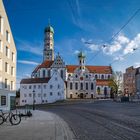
[[81, 95]]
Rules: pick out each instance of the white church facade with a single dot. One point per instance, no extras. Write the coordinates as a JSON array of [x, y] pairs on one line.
[[52, 80]]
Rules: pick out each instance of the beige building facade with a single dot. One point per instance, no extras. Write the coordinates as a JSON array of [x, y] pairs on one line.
[[129, 81], [7, 62]]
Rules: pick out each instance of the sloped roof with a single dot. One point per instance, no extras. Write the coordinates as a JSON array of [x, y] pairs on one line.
[[92, 69], [45, 64], [102, 82], [34, 80]]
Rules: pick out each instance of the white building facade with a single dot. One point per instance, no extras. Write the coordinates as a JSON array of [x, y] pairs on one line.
[[7, 63], [42, 90]]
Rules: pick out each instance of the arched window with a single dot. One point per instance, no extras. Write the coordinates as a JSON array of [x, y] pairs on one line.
[[70, 85], [102, 77], [44, 73], [76, 86], [108, 76], [92, 86]]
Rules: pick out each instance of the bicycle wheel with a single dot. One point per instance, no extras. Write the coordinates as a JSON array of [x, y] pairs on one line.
[[15, 119], [1, 120]]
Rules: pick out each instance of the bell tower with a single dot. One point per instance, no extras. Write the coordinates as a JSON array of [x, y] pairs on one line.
[[48, 52], [81, 57]]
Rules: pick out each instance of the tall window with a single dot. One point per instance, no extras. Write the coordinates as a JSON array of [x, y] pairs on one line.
[[70, 85], [44, 73], [92, 86], [3, 100], [12, 71], [12, 86], [61, 73], [12, 56], [81, 86], [6, 83], [6, 51], [1, 24], [86, 86], [6, 67], [49, 73], [76, 86], [108, 76], [7, 36]]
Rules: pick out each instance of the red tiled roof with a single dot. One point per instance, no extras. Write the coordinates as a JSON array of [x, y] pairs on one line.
[[102, 82], [92, 69], [71, 68], [34, 80], [45, 64]]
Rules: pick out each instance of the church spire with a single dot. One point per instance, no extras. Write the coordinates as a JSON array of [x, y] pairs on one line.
[[48, 52]]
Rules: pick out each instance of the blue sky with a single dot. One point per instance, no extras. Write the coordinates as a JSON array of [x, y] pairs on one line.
[[75, 22]]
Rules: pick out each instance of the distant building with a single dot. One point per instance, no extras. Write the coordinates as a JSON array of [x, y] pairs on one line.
[[129, 81], [88, 81], [7, 62], [73, 81], [138, 80]]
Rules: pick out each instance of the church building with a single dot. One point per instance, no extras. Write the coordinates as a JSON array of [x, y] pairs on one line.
[[52, 80]]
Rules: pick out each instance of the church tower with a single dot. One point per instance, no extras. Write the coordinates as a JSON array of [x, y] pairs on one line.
[[81, 57], [48, 52]]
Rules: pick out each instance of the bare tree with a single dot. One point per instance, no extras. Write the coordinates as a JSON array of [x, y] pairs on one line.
[[116, 83]]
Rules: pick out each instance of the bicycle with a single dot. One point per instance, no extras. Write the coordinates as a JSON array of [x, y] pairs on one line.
[[14, 119]]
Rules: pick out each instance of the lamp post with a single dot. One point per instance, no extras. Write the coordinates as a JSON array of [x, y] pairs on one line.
[[33, 99]]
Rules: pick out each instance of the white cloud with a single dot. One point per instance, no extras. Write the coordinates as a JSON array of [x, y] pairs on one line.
[[118, 48], [132, 45], [122, 39], [137, 64], [113, 48], [93, 47], [27, 62]]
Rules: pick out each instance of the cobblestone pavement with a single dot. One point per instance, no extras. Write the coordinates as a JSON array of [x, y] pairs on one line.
[[101, 120]]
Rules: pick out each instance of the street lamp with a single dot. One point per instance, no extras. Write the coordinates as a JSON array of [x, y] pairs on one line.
[[33, 99]]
